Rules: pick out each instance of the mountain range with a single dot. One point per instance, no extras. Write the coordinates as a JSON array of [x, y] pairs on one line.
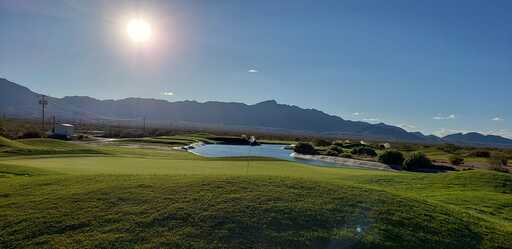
[[19, 101]]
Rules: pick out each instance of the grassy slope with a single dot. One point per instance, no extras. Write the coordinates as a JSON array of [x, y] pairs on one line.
[[26, 147], [4, 142], [437, 154], [145, 199], [177, 140]]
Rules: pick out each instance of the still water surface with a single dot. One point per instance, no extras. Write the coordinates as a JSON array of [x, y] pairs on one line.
[[264, 150]]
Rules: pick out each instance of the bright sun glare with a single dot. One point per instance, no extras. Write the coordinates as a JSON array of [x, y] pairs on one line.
[[138, 30]]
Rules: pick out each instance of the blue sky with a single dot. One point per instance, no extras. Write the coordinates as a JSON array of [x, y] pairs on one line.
[[432, 66]]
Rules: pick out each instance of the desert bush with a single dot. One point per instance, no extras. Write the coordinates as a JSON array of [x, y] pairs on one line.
[[367, 151], [346, 155], [3, 132], [354, 145], [481, 153], [498, 159], [321, 142], [417, 160], [31, 134], [406, 147], [392, 157], [332, 152], [304, 148], [449, 148], [456, 160], [336, 148]]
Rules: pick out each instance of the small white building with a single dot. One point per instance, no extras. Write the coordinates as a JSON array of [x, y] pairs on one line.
[[66, 130]]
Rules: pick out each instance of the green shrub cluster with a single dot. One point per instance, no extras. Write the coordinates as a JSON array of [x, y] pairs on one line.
[[305, 148], [31, 134], [366, 151], [332, 153], [334, 150], [481, 153], [417, 160], [321, 142], [392, 157], [449, 148], [346, 155]]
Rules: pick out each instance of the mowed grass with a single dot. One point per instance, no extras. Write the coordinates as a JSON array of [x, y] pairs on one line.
[[131, 198], [39, 146]]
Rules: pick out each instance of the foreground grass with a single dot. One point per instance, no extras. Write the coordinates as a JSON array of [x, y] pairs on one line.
[[226, 212], [134, 198]]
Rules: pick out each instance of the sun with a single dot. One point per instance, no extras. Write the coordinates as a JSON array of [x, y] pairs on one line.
[[139, 30]]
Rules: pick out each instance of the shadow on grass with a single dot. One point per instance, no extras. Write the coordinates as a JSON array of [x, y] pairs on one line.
[[432, 169]]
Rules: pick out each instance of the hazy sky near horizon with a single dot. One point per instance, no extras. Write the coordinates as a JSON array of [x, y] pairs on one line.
[[439, 66]]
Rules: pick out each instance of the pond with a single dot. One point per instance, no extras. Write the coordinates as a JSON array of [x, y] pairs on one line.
[[264, 150]]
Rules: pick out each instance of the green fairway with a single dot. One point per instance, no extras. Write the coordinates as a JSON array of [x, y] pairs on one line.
[[137, 198]]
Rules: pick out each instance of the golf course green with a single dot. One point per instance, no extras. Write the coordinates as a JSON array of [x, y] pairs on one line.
[[56, 194]]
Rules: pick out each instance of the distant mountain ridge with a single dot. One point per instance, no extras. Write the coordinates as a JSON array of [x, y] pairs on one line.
[[17, 100], [477, 139]]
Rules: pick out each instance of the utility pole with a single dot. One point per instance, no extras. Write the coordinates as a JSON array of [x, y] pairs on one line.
[[144, 125], [43, 102], [53, 124]]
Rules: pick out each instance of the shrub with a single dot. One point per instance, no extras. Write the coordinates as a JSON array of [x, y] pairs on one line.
[[367, 151], [467, 169], [332, 152], [481, 153], [417, 160], [498, 159], [392, 157], [336, 148], [31, 134], [346, 155], [304, 148], [354, 145], [321, 142], [456, 160], [449, 148], [406, 147], [3, 132]]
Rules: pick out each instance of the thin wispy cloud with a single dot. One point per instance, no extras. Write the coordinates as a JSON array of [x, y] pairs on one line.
[[439, 117], [357, 113], [497, 119], [253, 71], [167, 93]]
